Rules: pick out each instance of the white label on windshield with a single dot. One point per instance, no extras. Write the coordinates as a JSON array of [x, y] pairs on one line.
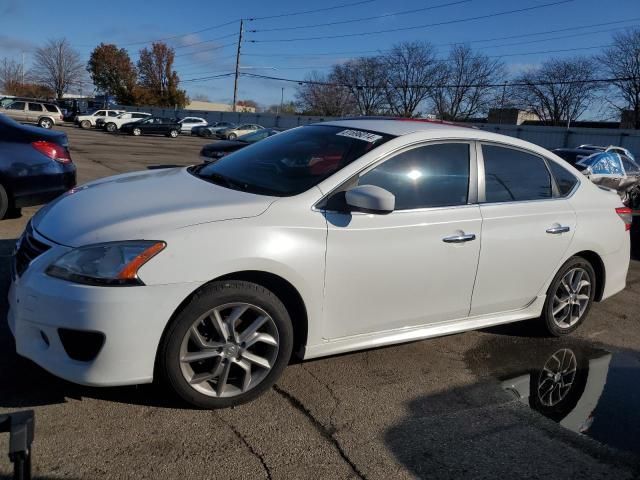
[[357, 134]]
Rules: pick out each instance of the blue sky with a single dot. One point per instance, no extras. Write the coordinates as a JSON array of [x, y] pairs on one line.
[[27, 24]]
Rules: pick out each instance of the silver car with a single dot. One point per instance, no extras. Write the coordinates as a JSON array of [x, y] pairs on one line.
[[43, 114]]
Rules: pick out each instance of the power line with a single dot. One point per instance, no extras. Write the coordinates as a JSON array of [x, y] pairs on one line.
[[182, 34], [206, 41], [218, 47], [212, 77], [358, 52], [476, 85], [361, 19], [399, 29], [305, 12]]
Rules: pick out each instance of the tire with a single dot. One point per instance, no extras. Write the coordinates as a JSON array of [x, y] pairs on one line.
[[45, 123], [85, 124], [251, 303], [205, 134], [173, 133], [111, 127], [136, 132], [569, 289], [4, 203], [232, 136]]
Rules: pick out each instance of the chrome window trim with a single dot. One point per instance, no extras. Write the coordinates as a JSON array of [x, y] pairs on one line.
[[473, 173]]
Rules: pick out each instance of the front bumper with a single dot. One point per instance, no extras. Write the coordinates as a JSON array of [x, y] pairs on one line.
[[132, 320]]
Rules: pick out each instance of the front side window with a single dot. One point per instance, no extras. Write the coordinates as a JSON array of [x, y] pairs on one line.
[[512, 175], [17, 106], [565, 180], [293, 161], [429, 176]]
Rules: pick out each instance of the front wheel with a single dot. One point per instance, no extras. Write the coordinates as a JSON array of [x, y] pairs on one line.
[[569, 297], [85, 124], [45, 123], [232, 136], [173, 133], [136, 132], [229, 344]]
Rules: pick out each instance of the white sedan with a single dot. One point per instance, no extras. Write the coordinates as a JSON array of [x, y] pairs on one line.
[[320, 240]]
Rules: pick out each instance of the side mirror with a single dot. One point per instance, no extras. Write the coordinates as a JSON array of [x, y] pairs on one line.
[[371, 199]]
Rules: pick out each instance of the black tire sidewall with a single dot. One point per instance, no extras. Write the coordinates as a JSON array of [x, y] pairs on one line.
[[214, 294], [4, 202], [547, 313]]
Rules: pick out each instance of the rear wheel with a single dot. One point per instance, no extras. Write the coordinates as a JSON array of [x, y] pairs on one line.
[[45, 123], [85, 124], [173, 133], [232, 136], [4, 202], [111, 127], [227, 346], [569, 297], [136, 132]]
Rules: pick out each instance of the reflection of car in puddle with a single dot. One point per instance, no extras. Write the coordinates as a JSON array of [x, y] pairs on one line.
[[585, 389]]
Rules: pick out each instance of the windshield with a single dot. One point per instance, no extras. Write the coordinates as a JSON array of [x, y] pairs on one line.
[[291, 162]]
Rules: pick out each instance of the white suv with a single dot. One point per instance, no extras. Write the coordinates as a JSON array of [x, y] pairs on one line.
[[113, 124], [187, 123], [320, 240], [88, 121]]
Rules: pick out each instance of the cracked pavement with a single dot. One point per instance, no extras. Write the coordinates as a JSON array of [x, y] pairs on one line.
[[428, 409]]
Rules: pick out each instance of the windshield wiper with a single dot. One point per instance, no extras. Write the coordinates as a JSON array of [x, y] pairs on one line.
[[220, 179]]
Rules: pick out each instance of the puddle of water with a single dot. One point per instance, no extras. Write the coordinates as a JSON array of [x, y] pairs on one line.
[[587, 390]]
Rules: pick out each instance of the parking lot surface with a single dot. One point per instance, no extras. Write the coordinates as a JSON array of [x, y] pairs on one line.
[[440, 408]]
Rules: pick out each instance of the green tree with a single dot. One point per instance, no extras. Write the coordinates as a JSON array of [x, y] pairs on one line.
[[113, 72], [158, 81]]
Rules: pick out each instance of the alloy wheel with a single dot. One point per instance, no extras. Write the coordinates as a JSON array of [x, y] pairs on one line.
[[229, 350], [571, 297], [557, 377]]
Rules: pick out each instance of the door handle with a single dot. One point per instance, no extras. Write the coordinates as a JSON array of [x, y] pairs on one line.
[[555, 230], [459, 238]]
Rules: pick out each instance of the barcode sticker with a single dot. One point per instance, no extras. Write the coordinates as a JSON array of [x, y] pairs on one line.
[[360, 135]]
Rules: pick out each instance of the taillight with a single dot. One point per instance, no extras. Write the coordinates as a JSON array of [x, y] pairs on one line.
[[53, 151], [626, 215]]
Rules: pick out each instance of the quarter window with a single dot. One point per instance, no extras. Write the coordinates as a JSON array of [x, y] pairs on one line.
[[512, 175], [565, 180], [429, 176]]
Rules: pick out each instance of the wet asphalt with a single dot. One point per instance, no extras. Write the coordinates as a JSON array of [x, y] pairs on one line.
[[462, 406]]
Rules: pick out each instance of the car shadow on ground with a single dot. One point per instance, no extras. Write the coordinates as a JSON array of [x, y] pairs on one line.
[[25, 385], [504, 421]]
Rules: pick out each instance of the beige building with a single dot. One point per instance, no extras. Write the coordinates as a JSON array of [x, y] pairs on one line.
[[217, 107], [510, 116]]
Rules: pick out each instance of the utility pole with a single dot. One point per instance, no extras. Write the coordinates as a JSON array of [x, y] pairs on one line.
[[235, 82], [281, 101], [22, 72]]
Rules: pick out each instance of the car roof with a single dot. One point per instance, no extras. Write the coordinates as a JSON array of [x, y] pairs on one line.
[[398, 126]]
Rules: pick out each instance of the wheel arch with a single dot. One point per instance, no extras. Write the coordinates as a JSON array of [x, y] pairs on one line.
[[281, 287], [598, 266]]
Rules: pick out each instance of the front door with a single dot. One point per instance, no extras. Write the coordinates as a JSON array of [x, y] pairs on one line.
[[527, 227], [416, 265]]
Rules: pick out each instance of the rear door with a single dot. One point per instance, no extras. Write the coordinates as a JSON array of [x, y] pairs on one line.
[[34, 112], [527, 225]]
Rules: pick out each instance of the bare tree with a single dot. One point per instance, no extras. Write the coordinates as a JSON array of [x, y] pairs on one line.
[[622, 61], [319, 96], [11, 76], [465, 90], [57, 65], [558, 91], [412, 72], [366, 79]]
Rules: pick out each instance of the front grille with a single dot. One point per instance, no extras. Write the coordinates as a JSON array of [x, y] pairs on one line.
[[28, 249]]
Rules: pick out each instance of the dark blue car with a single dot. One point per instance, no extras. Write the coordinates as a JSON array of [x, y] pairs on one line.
[[35, 166]]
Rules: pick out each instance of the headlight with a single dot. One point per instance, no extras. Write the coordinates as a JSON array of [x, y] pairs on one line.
[[112, 264]]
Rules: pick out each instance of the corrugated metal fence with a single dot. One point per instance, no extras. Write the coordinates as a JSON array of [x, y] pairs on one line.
[[548, 137]]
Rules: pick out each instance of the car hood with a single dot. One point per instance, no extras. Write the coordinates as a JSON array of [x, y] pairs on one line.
[[142, 205]]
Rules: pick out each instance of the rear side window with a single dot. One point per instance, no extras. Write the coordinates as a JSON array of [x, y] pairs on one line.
[[51, 108], [565, 180], [35, 107], [512, 175], [428, 176]]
